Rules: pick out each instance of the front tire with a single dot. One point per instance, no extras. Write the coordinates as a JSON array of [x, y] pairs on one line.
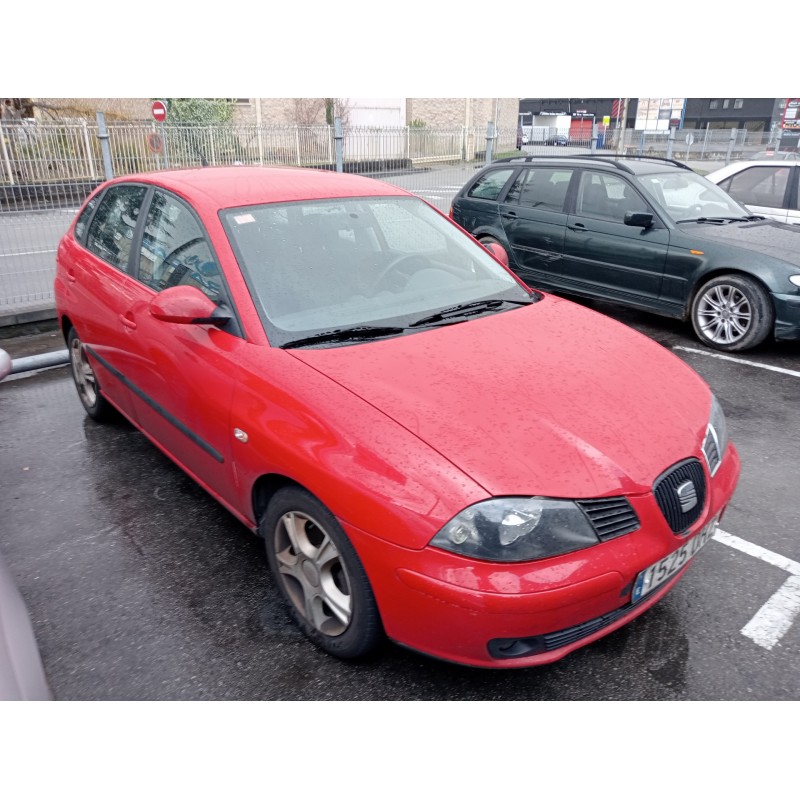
[[732, 313], [89, 393], [320, 575]]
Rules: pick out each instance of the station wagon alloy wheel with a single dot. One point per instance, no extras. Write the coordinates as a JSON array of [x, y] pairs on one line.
[[724, 314], [732, 312]]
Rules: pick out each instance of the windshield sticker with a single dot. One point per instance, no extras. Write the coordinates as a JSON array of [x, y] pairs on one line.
[[243, 219]]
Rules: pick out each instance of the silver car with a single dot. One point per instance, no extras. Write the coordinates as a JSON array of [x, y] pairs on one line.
[[768, 188]]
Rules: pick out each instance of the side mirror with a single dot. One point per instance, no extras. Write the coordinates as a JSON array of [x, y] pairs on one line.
[[498, 251], [638, 219], [186, 305]]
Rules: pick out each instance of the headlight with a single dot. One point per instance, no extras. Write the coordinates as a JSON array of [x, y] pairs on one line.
[[795, 279], [516, 529], [716, 441]]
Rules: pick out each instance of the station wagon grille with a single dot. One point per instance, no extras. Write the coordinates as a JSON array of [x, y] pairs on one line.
[[667, 490], [610, 516]]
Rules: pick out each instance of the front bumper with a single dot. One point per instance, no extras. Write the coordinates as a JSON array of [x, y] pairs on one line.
[[787, 316], [456, 608]]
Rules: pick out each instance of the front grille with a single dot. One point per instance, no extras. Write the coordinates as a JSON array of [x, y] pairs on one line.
[[610, 516], [711, 451], [666, 490]]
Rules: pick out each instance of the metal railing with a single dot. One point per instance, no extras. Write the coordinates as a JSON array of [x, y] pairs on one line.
[[47, 170]]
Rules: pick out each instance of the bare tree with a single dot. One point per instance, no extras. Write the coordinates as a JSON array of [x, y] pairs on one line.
[[309, 110]]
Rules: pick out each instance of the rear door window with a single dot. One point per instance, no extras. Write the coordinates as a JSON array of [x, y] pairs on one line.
[[544, 188]]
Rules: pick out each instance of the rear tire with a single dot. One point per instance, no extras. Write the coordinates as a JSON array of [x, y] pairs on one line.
[[320, 575], [732, 313], [89, 392]]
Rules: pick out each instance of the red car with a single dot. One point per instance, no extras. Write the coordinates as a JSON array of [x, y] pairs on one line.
[[429, 449]]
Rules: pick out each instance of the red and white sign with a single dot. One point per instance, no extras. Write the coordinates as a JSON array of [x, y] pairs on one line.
[[159, 110]]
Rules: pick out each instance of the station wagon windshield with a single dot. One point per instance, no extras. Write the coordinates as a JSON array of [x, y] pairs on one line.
[[387, 262], [688, 197]]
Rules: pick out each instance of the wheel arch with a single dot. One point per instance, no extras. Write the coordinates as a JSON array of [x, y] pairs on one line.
[[65, 323], [265, 488], [718, 272]]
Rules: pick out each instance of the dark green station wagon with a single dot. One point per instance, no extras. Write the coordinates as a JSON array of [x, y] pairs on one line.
[[649, 233]]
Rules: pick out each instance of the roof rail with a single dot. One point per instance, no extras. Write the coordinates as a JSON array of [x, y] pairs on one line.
[[614, 161]]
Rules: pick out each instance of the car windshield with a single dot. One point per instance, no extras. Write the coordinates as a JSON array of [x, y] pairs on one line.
[[363, 264], [687, 196]]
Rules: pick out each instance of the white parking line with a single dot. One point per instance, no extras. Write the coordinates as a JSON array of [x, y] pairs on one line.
[[776, 616], [739, 361], [27, 253]]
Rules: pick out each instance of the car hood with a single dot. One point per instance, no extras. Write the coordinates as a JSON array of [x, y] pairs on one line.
[[776, 239], [550, 399]]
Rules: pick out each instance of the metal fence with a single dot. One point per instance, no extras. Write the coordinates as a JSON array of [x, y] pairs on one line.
[[47, 170]]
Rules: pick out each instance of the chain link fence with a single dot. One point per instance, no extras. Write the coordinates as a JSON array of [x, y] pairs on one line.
[[47, 170]]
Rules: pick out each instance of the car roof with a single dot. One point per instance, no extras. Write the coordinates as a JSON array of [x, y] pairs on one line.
[[638, 165], [229, 187]]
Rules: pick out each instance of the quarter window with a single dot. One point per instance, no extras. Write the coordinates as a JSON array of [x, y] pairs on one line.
[[175, 250], [111, 233], [489, 186]]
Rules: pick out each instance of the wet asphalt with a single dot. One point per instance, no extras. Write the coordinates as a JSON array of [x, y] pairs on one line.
[[140, 586]]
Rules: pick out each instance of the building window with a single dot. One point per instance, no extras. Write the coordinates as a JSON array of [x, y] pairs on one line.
[[714, 104], [738, 103], [726, 103]]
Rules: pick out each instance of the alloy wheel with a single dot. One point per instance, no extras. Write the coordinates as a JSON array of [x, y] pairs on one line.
[[83, 373], [313, 573], [724, 314]]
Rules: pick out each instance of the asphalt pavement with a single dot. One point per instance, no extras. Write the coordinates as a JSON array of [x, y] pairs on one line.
[[140, 586]]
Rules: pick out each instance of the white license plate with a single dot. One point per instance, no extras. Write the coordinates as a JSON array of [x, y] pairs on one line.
[[663, 570]]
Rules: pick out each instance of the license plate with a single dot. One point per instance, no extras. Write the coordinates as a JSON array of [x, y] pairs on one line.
[[663, 570]]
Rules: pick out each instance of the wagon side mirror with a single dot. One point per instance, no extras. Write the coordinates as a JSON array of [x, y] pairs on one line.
[[639, 219]]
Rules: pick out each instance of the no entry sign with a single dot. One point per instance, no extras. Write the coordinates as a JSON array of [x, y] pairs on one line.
[[159, 110]]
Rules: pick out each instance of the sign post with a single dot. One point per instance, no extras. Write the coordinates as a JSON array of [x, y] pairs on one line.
[[159, 111]]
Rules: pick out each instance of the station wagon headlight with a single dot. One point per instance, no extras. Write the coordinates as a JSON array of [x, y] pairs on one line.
[[795, 279], [716, 442], [516, 529]]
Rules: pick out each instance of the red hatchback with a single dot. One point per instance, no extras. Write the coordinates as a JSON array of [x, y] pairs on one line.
[[431, 450]]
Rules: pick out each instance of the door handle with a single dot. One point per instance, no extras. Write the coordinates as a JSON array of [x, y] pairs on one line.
[[71, 277], [578, 226], [509, 214], [128, 321]]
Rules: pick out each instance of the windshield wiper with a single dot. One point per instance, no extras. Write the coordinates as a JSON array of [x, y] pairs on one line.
[[463, 310], [721, 220], [354, 334]]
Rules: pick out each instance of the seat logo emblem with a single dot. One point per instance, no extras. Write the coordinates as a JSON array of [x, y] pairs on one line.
[[687, 496]]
